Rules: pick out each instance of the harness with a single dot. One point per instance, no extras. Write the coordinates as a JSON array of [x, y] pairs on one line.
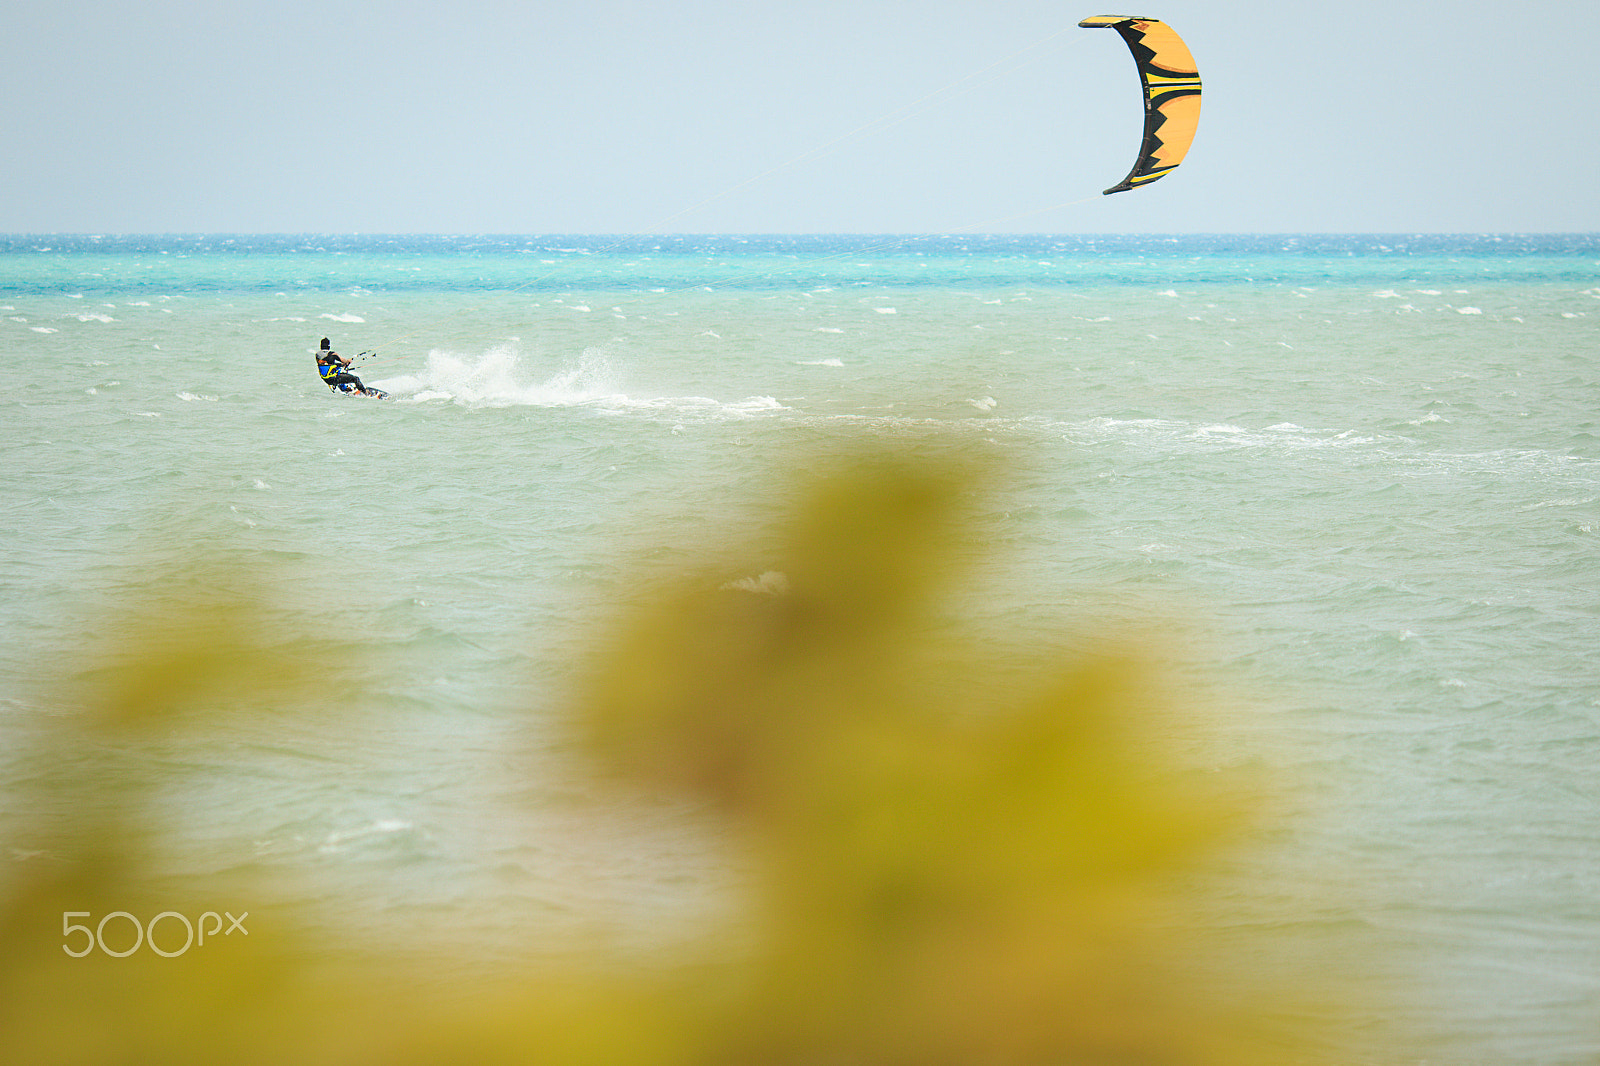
[[331, 370]]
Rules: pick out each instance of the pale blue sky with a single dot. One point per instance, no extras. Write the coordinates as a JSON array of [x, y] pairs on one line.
[[362, 116]]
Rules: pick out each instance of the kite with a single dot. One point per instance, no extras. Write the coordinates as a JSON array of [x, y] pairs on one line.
[[1171, 94]]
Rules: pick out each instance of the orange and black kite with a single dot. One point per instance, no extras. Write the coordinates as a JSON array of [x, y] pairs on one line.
[[1171, 94]]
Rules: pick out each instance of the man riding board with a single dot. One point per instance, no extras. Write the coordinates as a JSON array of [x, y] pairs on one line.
[[333, 368]]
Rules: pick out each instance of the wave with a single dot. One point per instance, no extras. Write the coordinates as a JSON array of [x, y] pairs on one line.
[[498, 378]]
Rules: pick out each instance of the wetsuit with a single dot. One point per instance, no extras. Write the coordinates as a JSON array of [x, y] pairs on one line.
[[334, 374]]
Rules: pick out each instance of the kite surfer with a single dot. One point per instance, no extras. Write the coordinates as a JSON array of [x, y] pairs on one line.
[[334, 369]]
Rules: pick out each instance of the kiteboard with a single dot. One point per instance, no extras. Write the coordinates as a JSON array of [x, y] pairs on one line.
[[351, 390]]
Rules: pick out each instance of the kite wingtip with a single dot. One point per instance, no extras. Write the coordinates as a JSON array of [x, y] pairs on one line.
[[1112, 20]]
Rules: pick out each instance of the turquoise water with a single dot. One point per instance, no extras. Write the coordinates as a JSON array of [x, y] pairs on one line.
[[1356, 478]]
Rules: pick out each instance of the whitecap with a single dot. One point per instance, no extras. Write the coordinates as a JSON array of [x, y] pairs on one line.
[[383, 827], [1575, 501], [753, 404], [769, 583], [342, 318]]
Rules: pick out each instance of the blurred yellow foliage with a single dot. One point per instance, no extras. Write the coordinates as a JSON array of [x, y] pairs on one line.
[[931, 879]]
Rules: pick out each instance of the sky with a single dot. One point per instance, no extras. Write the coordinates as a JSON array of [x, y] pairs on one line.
[[829, 116]]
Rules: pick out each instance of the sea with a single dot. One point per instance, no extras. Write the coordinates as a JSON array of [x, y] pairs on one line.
[[1352, 480]]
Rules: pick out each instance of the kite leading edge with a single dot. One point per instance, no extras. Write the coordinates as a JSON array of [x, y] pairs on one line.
[[1171, 94]]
